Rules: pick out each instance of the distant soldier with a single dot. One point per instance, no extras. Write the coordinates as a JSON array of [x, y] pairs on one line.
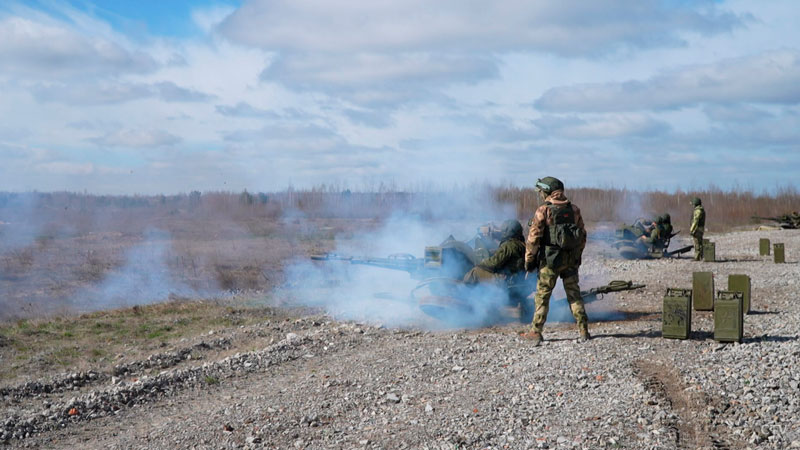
[[666, 225], [555, 244], [697, 228], [507, 261]]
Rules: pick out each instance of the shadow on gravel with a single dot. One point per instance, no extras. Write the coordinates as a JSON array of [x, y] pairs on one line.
[[709, 335], [762, 313], [643, 333], [745, 259], [768, 338]]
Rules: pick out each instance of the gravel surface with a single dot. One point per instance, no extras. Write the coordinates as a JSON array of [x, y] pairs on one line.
[[333, 384]]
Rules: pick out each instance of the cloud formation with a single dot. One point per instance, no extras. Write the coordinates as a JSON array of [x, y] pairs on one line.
[[43, 50], [100, 93], [354, 93], [415, 45], [768, 77], [136, 138]]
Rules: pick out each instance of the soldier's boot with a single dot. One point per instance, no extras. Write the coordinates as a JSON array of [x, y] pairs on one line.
[[534, 336], [584, 335]]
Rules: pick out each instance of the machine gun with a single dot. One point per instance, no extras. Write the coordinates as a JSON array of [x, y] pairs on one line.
[[598, 292], [397, 261], [785, 221]]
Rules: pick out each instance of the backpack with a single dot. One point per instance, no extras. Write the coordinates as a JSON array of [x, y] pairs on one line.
[[564, 237], [564, 232]]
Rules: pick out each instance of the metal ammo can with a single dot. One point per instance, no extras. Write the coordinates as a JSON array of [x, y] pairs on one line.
[[741, 283], [763, 247], [703, 291], [728, 316], [677, 314], [709, 251], [778, 255]]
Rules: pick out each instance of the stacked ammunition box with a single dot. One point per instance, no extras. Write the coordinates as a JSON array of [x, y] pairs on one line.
[[763, 247], [677, 314], [728, 318], [778, 255], [703, 291], [741, 283]]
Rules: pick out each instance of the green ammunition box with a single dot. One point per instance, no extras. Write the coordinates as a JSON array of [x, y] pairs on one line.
[[777, 254], [741, 283], [703, 291], [728, 316], [677, 314], [763, 247], [706, 241], [709, 252]]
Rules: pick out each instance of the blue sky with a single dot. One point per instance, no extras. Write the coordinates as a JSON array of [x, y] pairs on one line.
[[172, 96]]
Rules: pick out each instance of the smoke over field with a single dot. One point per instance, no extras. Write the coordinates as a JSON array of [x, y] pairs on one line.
[[67, 252]]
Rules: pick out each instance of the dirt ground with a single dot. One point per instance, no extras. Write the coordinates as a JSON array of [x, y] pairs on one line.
[[240, 372]]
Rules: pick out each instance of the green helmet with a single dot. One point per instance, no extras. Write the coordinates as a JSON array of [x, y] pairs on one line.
[[548, 185], [511, 228], [660, 219], [666, 218], [696, 202]]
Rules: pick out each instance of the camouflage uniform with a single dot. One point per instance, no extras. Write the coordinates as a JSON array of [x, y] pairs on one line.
[[697, 228], [795, 219], [566, 268], [507, 261]]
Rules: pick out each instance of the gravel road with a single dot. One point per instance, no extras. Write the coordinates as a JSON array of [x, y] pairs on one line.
[[324, 383]]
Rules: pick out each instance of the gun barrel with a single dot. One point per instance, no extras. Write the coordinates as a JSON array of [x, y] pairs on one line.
[[401, 261], [679, 251], [774, 219]]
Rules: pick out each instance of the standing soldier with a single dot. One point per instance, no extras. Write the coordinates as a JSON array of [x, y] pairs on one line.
[[555, 244], [697, 227]]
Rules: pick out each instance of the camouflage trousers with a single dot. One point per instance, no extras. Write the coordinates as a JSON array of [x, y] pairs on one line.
[[698, 246], [544, 289], [481, 275]]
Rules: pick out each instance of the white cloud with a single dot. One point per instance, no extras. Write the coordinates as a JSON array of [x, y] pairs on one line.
[[47, 51], [108, 92], [570, 27], [136, 138], [383, 47], [602, 126], [769, 77], [208, 18], [65, 168]]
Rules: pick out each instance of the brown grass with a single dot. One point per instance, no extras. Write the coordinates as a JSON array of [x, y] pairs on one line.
[[55, 246], [103, 339]]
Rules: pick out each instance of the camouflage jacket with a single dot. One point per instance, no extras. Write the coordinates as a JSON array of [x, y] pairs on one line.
[[508, 259], [698, 220], [654, 235], [541, 220]]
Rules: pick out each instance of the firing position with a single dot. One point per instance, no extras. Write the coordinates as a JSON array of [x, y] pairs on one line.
[[507, 261], [555, 244]]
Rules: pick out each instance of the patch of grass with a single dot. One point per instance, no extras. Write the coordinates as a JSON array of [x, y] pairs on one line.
[[47, 346], [211, 379]]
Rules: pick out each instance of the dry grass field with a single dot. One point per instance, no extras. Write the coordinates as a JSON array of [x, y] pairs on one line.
[[66, 253]]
